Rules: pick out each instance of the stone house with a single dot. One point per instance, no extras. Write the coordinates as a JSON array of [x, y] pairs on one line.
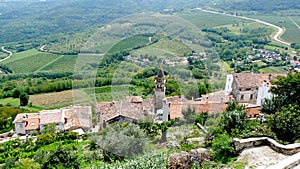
[[26, 123], [48, 117], [132, 109], [249, 88], [135, 108], [178, 104], [70, 118], [77, 117]]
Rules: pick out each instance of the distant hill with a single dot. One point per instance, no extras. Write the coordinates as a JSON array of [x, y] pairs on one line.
[[264, 6], [23, 20]]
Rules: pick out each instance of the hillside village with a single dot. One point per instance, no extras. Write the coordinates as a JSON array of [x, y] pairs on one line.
[[248, 89], [149, 84]]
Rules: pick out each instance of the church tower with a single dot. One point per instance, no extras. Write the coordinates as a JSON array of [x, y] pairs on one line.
[[160, 107]]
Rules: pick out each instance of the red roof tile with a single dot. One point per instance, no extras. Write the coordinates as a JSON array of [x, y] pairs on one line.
[[51, 116], [32, 124]]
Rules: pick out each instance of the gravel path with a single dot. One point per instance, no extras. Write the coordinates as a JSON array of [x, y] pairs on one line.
[[260, 157]]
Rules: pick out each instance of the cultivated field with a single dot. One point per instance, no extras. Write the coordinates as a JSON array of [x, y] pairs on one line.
[[209, 20], [58, 99], [63, 64], [292, 33], [131, 42], [273, 69], [22, 55]]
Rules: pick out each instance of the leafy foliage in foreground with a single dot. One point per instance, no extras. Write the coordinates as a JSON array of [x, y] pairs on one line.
[[120, 141], [286, 123], [7, 115], [284, 108], [150, 160], [223, 148]]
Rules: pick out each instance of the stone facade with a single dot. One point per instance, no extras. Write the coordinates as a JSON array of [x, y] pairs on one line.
[[249, 88], [69, 118], [161, 109]]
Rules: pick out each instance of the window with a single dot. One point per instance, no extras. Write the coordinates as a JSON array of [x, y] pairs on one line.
[[242, 97], [251, 96]]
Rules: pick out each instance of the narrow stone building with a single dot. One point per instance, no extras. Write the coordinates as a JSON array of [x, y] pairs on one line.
[[161, 109]]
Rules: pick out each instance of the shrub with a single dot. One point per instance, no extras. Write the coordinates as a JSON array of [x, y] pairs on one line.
[[120, 142], [62, 157], [150, 160], [45, 139], [69, 136], [234, 121], [201, 118], [223, 148]]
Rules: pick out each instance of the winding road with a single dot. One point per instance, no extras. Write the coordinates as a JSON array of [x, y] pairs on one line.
[[6, 51], [42, 48], [276, 37]]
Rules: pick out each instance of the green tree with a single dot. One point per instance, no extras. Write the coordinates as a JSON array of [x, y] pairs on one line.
[[24, 98], [28, 163], [164, 126], [201, 118], [235, 120], [234, 105], [121, 141], [7, 115], [273, 105], [287, 88], [16, 93], [286, 123]]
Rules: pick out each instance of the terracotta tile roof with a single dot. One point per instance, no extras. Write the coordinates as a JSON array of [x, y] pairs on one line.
[[134, 99], [249, 80], [67, 112], [84, 114], [51, 116], [135, 110], [177, 99], [77, 117], [76, 122], [32, 124], [19, 118]]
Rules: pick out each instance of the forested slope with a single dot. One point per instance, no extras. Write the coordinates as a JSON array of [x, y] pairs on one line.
[[264, 6], [36, 19]]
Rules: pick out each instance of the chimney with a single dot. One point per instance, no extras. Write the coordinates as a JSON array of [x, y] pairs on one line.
[[290, 70]]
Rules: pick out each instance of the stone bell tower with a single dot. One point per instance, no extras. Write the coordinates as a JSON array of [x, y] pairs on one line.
[[160, 107]]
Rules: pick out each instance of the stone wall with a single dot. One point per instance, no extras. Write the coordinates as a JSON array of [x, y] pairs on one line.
[[290, 149]]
